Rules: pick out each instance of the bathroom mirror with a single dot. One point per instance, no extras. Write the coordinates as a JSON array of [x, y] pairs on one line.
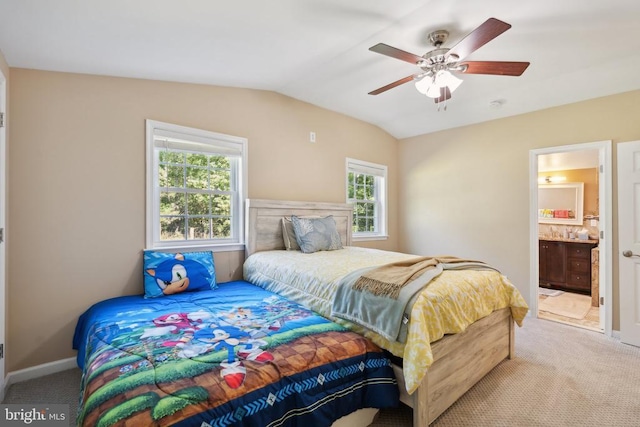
[[561, 203]]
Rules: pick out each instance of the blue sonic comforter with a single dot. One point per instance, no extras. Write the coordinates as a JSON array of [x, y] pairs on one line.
[[234, 356]]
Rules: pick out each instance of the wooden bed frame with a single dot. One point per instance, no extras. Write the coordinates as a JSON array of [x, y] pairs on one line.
[[460, 360]]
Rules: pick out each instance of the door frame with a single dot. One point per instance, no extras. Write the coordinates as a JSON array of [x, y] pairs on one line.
[[605, 193], [3, 216]]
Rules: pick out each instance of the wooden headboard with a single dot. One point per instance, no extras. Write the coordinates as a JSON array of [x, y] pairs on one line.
[[264, 227]]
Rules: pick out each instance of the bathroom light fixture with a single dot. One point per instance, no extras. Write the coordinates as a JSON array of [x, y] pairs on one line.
[[551, 179]]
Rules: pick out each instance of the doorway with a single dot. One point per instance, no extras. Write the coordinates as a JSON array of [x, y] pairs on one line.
[[563, 263]]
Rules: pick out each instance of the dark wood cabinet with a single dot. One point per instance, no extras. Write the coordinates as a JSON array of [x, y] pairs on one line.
[[565, 265], [552, 265], [579, 266]]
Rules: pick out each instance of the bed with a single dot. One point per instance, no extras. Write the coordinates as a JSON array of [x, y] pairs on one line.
[[237, 355], [434, 366]]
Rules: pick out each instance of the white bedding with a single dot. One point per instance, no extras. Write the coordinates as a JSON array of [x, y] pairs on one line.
[[312, 279]]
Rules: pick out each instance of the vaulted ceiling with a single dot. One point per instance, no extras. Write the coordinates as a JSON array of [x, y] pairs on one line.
[[317, 51]]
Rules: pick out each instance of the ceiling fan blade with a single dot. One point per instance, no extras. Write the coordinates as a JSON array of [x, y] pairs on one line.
[[445, 94], [482, 35], [392, 85], [393, 52], [500, 68]]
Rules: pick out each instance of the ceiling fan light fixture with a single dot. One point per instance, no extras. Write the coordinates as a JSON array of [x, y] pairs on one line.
[[424, 83], [433, 92], [445, 79], [430, 84]]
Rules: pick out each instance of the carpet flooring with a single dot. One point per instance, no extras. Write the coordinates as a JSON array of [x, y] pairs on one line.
[[562, 376]]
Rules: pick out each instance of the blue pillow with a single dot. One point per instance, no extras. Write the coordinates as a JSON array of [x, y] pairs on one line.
[[171, 273], [316, 234]]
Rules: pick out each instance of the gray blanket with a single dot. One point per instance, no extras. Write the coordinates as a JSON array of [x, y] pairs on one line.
[[382, 314]]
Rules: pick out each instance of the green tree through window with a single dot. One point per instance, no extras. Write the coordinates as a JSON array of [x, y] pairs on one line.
[[366, 191], [195, 196], [362, 192]]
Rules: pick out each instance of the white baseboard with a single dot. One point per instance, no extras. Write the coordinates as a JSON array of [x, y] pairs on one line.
[[39, 371]]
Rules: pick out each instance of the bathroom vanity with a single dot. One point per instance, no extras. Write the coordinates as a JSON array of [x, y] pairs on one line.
[[565, 264]]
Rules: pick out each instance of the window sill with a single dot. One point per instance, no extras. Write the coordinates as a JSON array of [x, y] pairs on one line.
[[225, 247], [369, 238]]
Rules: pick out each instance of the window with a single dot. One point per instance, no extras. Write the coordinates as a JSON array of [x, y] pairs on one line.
[[367, 191], [196, 182]]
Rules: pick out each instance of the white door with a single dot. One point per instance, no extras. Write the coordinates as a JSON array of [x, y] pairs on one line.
[[3, 210], [629, 240]]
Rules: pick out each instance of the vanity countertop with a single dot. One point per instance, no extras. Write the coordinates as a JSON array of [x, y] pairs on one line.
[[562, 239]]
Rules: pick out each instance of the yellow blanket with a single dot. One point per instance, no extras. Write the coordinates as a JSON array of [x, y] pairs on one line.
[[435, 313]]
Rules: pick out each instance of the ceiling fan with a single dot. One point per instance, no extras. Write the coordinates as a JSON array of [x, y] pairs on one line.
[[436, 79]]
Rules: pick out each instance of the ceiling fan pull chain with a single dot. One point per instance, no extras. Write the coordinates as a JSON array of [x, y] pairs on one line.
[[443, 105]]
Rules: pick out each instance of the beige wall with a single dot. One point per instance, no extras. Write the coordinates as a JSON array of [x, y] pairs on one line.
[[465, 191], [77, 185]]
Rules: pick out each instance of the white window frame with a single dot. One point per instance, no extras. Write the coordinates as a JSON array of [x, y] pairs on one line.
[[379, 172], [159, 135]]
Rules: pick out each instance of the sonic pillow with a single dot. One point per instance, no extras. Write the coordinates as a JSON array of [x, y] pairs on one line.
[[171, 273]]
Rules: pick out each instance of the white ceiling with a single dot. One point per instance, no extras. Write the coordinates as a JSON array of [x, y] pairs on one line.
[[317, 50]]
